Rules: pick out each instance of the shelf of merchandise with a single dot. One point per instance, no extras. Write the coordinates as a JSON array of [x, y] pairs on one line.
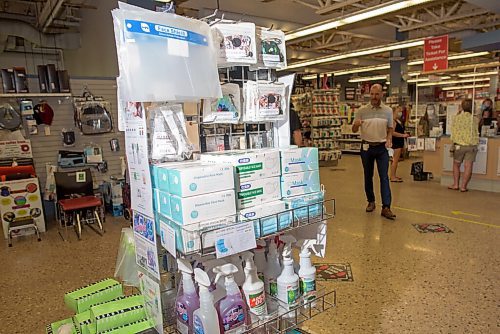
[[350, 139], [24, 95], [281, 318], [350, 151]]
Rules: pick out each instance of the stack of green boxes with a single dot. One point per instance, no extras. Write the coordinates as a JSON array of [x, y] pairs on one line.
[[101, 308], [193, 198]]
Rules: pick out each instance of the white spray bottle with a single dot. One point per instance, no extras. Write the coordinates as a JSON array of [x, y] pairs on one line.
[[307, 272], [288, 281], [217, 288], [260, 259], [239, 277], [187, 300], [253, 288], [273, 270], [205, 319]]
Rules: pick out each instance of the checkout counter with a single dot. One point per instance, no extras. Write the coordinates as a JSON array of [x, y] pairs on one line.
[[486, 169]]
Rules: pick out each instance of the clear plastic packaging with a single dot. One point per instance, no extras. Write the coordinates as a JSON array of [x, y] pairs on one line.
[[236, 42], [264, 101], [164, 57], [226, 109], [271, 49], [168, 139]]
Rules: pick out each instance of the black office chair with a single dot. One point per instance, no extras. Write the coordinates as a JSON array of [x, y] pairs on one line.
[[76, 203]]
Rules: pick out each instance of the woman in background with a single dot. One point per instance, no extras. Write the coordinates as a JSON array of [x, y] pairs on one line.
[[487, 114], [398, 141]]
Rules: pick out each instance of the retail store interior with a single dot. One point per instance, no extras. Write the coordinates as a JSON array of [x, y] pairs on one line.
[[209, 166]]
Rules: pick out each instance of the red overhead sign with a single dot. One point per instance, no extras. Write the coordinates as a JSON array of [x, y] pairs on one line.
[[436, 54]]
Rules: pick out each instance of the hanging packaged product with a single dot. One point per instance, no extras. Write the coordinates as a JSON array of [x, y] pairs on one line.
[[250, 99], [168, 140], [226, 109], [92, 114], [152, 46], [272, 102], [271, 49], [237, 43]]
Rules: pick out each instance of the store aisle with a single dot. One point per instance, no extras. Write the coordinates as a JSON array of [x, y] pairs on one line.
[[404, 281]]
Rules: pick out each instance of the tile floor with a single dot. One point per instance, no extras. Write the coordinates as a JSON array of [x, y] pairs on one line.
[[404, 281]]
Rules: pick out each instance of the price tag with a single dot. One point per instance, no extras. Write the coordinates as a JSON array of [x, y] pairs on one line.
[[235, 239], [167, 236]]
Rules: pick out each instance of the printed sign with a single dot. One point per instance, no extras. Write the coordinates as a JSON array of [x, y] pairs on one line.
[[436, 54], [146, 252], [152, 300], [167, 236], [15, 149], [235, 239]]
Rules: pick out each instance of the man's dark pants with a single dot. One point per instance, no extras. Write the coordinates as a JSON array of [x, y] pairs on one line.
[[376, 153]]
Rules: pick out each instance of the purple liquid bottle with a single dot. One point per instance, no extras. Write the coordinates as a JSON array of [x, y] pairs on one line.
[[187, 300]]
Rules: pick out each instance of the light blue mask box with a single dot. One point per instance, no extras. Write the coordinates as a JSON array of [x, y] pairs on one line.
[[304, 203], [267, 216], [195, 209], [161, 202], [294, 184], [197, 179], [300, 159]]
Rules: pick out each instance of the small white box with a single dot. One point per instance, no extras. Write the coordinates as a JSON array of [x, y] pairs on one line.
[[294, 184], [192, 179], [299, 159], [248, 164], [255, 192], [194, 209]]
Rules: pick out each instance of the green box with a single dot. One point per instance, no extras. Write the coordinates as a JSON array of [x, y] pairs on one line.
[[54, 327], [83, 320], [118, 313], [82, 299], [135, 327]]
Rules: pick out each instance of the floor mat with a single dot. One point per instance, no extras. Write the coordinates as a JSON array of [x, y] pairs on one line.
[[334, 272], [432, 228]]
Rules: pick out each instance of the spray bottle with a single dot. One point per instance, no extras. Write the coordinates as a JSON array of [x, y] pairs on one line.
[[307, 272], [231, 308], [187, 300], [205, 319], [260, 259], [239, 277], [217, 287], [253, 288], [273, 270], [288, 281]]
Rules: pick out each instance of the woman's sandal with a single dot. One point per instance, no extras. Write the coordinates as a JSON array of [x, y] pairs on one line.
[[452, 188]]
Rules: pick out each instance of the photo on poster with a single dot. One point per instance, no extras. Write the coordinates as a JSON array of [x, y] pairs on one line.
[[146, 255], [412, 144], [144, 226]]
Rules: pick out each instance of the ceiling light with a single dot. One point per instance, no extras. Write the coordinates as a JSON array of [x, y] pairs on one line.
[[362, 70], [463, 55], [362, 15], [363, 79], [426, 79], [314, 76], [479, 74], [466, 87], [440, 83], [359, 53], [387, 82]]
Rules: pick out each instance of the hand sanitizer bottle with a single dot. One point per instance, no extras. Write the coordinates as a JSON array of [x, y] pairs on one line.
[[272, 271], [231, 308], [253, 288], [205, 319], [187, 299], [288, 281]]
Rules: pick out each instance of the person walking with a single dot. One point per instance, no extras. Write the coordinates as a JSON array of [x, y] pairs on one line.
[[465, 138], [398, 142], [375, 121]]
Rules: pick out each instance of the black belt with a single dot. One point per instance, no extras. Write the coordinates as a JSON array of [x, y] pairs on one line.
[[373, 143]]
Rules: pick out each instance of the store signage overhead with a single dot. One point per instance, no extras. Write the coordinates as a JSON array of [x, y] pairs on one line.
[[436, 54]]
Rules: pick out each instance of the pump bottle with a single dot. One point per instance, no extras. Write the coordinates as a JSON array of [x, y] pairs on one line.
[[273, 270], [253, 288], [288, 281], [187, 299], [260, 259], [205, 319], [307, 272], [231, 308]]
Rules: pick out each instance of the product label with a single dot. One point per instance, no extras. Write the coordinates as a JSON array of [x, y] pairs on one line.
[[249, 168], [257, 303], [273, 287], [182, 327], [261, 276], [292, 292], [308, 288], [250, 193], [182, 313], [198, 325], [233, 318], [159, 30]]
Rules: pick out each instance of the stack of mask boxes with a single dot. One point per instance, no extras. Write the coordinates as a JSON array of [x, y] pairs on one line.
[[300, 185], [193, 198], [258, 187]]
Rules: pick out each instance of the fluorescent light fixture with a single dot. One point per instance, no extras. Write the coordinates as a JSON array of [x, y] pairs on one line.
[[426, 79], [363, 79], [466, 87], [457, 56], [359, 53], [450, 82], [361, 15], [477, 74], [387, 82], [314, 76], [362, 70]]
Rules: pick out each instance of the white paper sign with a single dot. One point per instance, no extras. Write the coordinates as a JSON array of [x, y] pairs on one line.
[[451, 111], [152, 298], [483, 145], [146, 251], [167, 237], [235, 239], [430, 144], [420, 144]]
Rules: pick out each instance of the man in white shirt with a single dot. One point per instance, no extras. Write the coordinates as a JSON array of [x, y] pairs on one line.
[[376, 125]]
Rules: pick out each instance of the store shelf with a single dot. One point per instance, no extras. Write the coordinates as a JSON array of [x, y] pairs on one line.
[[280, 318], [16, 95], [350, 139]]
